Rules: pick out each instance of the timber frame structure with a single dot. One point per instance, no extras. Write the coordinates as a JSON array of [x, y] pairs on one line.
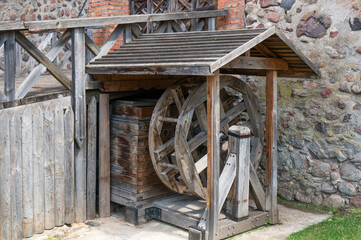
[[150, 58]]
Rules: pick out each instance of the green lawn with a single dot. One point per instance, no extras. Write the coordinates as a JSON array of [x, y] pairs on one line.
[[347, 227]]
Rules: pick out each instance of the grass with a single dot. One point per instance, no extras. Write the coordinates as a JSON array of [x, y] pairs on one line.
[[341, 226]]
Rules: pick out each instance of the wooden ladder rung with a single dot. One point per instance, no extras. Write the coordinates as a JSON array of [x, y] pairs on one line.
[[168, 119], [168, 165]]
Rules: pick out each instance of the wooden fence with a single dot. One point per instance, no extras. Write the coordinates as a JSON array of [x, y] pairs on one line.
[[36, 168]]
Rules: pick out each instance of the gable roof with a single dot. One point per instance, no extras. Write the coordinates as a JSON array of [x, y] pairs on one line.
[[202, 53]]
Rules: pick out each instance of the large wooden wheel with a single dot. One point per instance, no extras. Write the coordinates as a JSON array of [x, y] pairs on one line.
[[238, 107], [180, 162], [161, 132]]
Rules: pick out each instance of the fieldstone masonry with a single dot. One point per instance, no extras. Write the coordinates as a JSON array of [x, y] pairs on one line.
[[319, 119]]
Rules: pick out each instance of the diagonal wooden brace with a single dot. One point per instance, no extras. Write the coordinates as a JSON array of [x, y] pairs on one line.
[[26, 85], [28, 46]]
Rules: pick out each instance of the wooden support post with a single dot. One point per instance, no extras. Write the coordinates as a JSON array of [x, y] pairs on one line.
[[213, 154], [18, 59], [104, 156], [92, 159], [10, 66], [271, 145], [127, 35], [211, 24], [239, 142], [79, 108]]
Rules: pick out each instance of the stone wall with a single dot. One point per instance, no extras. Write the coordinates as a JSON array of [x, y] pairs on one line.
[[319, 119]]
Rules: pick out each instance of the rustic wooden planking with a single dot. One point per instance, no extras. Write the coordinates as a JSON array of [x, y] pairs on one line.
[[59, 166], [28, 184], [104, 156], [128, 19], [79, 108], [271, 147], [10, 66], [210, 52], [92, 158], [169, 60], [5, 178], [49, 164], [69, 165], [160, 56], [39, 181], [16, 183]]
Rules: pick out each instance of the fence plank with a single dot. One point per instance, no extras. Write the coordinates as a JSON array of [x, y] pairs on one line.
[[69, 165], [104, 156], [59, 166], [28, 187], [16, 183], [38, 158], [49, 167], [91, 158], [5, 178]]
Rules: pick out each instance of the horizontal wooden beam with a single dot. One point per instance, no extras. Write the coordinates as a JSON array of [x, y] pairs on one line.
[[124, 19], [9, 25], [28, 46], [257, 63], [257, 72]]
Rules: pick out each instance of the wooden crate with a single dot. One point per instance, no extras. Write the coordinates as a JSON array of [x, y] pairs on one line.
[[134, 182]]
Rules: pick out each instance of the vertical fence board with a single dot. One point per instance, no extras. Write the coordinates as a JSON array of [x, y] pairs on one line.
[[49, 167], [28, 186], [69, 165], [5, 178], [16, 172], [38, 158], [91, 158], [59, 166], [104, 156]]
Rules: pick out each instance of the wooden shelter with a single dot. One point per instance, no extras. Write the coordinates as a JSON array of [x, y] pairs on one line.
[[260, 52], [147, 61]]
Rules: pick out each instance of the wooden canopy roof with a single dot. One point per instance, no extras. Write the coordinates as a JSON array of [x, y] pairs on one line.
[[248, 52]]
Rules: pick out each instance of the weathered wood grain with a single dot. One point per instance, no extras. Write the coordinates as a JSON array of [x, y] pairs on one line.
[[16, 173], [79, 108], [38, 158], [5, 179], [271, 147], [10, 66], [69, 165], [213, 153], [104, 156], [28, 168], [59, 166], [49, 164], [92, 158]]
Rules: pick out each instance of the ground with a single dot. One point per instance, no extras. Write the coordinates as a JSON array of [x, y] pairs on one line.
[[114, 228]]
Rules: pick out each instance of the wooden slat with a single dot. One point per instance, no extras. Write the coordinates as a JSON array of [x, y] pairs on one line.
[[69, 165], [265, 51], [10, 66], [38, 158], [257, 189], [59, 166], [79, 108], [213, 150], [257, 63], [128, 19], [169, 60], [271, 147], [27, 158], [41, 58], [92, 47], [16, 183], [49, 171], [109, 43], [11, 25], [92, 158], [242, 49], [5, 178], [104, 156]]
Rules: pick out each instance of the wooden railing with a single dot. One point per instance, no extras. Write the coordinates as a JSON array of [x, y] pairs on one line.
[[126, 26]]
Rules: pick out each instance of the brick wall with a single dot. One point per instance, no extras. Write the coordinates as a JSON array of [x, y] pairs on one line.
[[235, 18], [101, 8]]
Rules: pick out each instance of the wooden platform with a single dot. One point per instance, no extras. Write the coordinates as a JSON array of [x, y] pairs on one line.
[[185, 211]]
